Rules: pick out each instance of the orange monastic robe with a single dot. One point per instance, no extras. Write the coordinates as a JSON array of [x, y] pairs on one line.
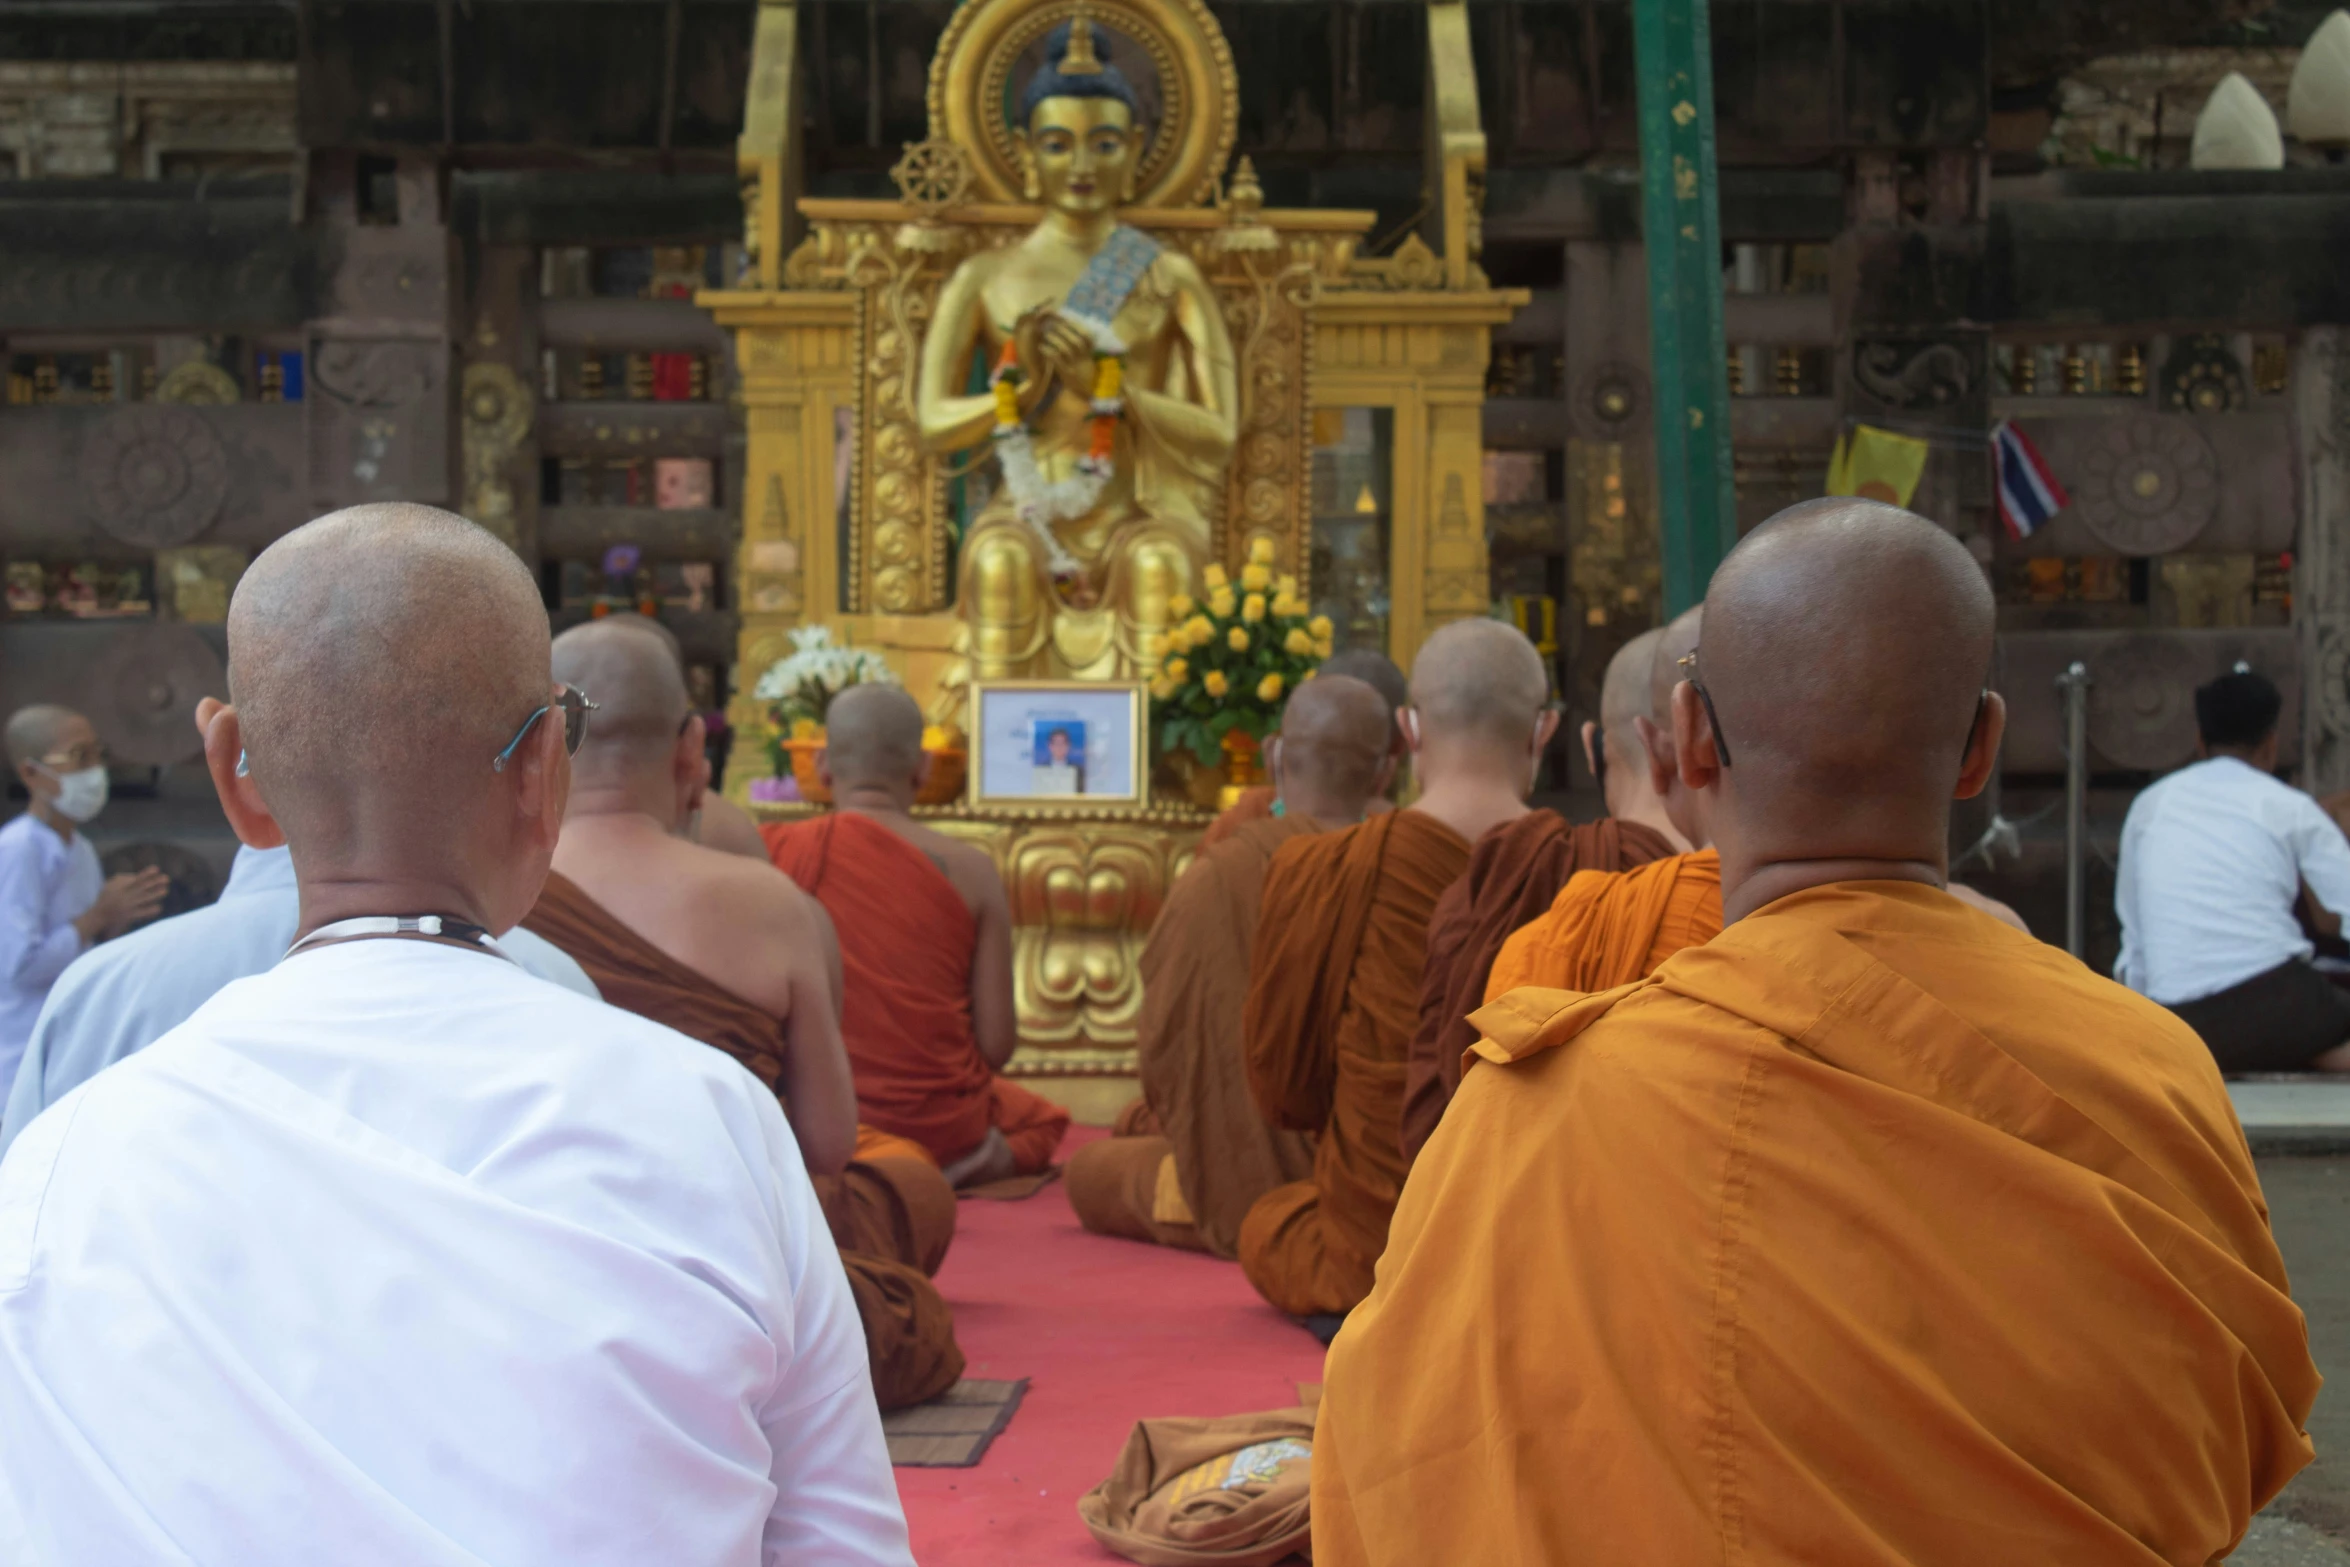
[[1333, 1001], [1514, 875], [1604, 931], [1872, 1232], [906, 939]]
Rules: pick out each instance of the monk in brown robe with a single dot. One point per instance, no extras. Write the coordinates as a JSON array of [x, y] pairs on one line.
[[1516, 872], [724, 950], [1871, 1231], [1200, 1154], [1372, 668], [925, 935], [1334, 975]]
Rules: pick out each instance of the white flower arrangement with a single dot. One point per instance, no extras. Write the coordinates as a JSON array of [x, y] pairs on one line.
[[800, 688]]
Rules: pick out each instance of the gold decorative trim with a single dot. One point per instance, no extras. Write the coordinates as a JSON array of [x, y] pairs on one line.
[[1199, 89]]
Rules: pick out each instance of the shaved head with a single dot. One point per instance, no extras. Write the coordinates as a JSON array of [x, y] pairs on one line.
[[1374, 669], [628, 665], [1333, 747], [1846, 648], [1479, 682], [379, 658], [38, 731], [873, 737], [1624, 693]]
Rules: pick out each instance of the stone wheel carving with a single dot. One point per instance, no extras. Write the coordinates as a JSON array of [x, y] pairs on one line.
[[142, 692], [933, 176], [2147, 486], [2142, 702], [153, 476]]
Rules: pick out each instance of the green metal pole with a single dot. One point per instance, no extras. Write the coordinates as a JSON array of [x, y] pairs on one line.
[[1681, 223]]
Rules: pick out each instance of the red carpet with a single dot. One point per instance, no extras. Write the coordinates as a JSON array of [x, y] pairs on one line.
[[1109, 1331]]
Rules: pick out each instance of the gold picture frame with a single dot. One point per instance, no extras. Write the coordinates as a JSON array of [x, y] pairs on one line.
[[1058, 747]]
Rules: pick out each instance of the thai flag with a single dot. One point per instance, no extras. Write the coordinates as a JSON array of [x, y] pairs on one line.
[[2028, 493]]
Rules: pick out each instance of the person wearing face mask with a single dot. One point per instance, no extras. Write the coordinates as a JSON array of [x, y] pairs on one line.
[[55, 901], [1335, 970]]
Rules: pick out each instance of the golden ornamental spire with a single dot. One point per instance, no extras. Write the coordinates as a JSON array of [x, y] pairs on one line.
[[1078, 59]]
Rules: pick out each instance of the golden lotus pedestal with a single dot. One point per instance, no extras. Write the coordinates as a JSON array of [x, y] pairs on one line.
[[1084, 892]]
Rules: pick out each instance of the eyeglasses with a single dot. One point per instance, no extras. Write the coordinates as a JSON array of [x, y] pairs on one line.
[[575, 706], [76, 759], [1688, 665]]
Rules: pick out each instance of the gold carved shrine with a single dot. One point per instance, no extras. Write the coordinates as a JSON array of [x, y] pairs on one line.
[[851, 522]]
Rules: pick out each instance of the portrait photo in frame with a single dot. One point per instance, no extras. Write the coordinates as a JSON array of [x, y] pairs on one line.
[[1068, 745]]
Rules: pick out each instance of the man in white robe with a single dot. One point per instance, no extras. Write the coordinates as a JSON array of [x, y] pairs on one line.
[[394, 1254], [125, 995]]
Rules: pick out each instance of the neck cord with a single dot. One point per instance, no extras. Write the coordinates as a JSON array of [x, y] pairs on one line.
[[429, 926]]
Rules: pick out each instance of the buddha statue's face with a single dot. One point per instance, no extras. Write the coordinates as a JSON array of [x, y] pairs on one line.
[[1081, 153]]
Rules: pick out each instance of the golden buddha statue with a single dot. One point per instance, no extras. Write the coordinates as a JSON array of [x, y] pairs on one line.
[[1112, 399]]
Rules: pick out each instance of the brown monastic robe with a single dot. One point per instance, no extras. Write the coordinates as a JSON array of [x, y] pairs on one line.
[[1513, 875], [1224, 1154], [1254, 805], [1333, 1000], [891, 1216]]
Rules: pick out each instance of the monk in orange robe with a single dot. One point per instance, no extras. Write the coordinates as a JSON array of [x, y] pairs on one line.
[[1263, 802], [925, 937], [726, 951], [1195, 1155], [1334, 975], [1515, 873], [1872, 1231]]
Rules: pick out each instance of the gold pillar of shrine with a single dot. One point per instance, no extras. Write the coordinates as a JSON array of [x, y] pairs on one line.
[[847, 523]]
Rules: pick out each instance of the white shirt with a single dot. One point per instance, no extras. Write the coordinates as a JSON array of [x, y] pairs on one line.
[[46, 884], [127, 994], [395, 1256], [2213, 858]]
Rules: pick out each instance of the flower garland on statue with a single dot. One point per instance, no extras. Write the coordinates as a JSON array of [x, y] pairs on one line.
[[1040, 501]]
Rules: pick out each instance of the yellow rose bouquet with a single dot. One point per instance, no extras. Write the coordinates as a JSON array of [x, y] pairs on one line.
[[1231, 661]]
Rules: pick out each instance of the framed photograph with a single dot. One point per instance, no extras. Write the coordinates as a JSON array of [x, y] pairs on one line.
[[1076, 744]]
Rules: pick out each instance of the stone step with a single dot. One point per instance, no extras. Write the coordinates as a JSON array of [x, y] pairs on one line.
[[2294, 1113]]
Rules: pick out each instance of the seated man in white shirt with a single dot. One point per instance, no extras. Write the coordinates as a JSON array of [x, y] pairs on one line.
[[395, 1254], [2213, 861]]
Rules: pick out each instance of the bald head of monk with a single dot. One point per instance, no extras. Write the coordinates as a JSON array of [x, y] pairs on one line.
[[391, 692], [643, 752], [1479, 722], [1376, 670], [1618, 756], [1332, 757], [1845, 655], [1685, 810], [873, 757]]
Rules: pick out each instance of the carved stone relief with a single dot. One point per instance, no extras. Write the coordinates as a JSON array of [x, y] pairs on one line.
[[1935, 380], [2148, 486], [2142, 701], [498, 411], [378, 420], [153, 475], [141, 692]]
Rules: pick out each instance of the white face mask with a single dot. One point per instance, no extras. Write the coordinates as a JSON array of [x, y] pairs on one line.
[[80, 795]]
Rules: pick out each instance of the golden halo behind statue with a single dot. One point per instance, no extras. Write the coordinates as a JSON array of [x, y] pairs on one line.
[[1171, 50]]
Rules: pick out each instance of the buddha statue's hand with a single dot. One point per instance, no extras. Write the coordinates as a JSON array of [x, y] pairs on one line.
[[1068, 353]]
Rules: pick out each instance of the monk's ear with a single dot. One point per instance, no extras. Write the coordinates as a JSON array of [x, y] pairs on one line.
[[1545, 728], [542, 780], [1590, 733], [922, 765], [1657, 747], [824, 766], [248, 814], [1695, 755], [1982, 748], [691, 763]]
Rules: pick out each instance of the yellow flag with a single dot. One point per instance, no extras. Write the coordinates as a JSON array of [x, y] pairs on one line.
[[1877, 465]]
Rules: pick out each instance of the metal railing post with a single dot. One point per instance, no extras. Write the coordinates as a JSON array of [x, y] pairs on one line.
[[2074, 683]]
